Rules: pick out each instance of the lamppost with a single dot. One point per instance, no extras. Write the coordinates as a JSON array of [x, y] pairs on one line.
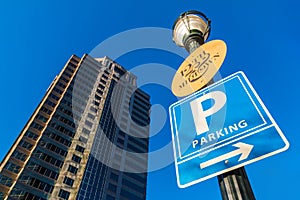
[[190, 30]]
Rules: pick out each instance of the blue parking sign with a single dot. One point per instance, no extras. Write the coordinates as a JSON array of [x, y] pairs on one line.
[[221, 128]]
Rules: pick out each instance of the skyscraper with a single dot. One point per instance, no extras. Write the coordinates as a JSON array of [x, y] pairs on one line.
[[87, 139]]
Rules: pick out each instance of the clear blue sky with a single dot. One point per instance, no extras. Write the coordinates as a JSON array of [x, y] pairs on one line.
[[37, 38]]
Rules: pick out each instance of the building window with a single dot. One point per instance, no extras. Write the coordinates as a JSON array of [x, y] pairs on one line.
[[45, 110], [67, 74], [69, 181], [79, 149], [129, 195], [132, 185], [4, 180], [12, 167], [61, 85], [49, 159], [93, 109], [88, 123], [24, 179], [41, 118], [72, 169], [57, 90], [104, 76], [31, 135], [114, 177], [36, 126], [1, 195], [64, 79], [29, 196], [57, 138], [62, 129], [76, 158], [86, 131], [42, 170], [52, 148], [109, 197], [41, 185], [112, 187], [18, 155], [100, 92], [91, 116], [83, 139], [17, 193], [103, 81], [50, 103], [96, 103], [25, 145], [97, 97], [64, 194]]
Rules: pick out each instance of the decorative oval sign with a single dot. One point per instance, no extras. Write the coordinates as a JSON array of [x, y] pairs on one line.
[[199, 68]]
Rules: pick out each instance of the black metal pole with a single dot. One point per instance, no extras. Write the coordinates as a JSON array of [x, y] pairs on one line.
[[234, 185]]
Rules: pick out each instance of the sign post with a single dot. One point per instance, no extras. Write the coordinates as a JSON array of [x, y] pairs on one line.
[[190, 30]]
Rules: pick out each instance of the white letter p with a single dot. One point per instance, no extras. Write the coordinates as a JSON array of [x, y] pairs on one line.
[[200, 115]]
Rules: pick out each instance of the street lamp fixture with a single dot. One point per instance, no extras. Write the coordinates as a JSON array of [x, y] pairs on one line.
[[191, 29]]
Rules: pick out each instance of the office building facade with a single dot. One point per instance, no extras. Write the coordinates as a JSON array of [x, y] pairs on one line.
[[87, 139]]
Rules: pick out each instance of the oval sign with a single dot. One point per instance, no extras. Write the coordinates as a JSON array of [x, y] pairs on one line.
[[199, 68]]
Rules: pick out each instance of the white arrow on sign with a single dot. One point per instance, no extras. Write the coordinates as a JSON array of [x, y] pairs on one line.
[[243, 149]]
